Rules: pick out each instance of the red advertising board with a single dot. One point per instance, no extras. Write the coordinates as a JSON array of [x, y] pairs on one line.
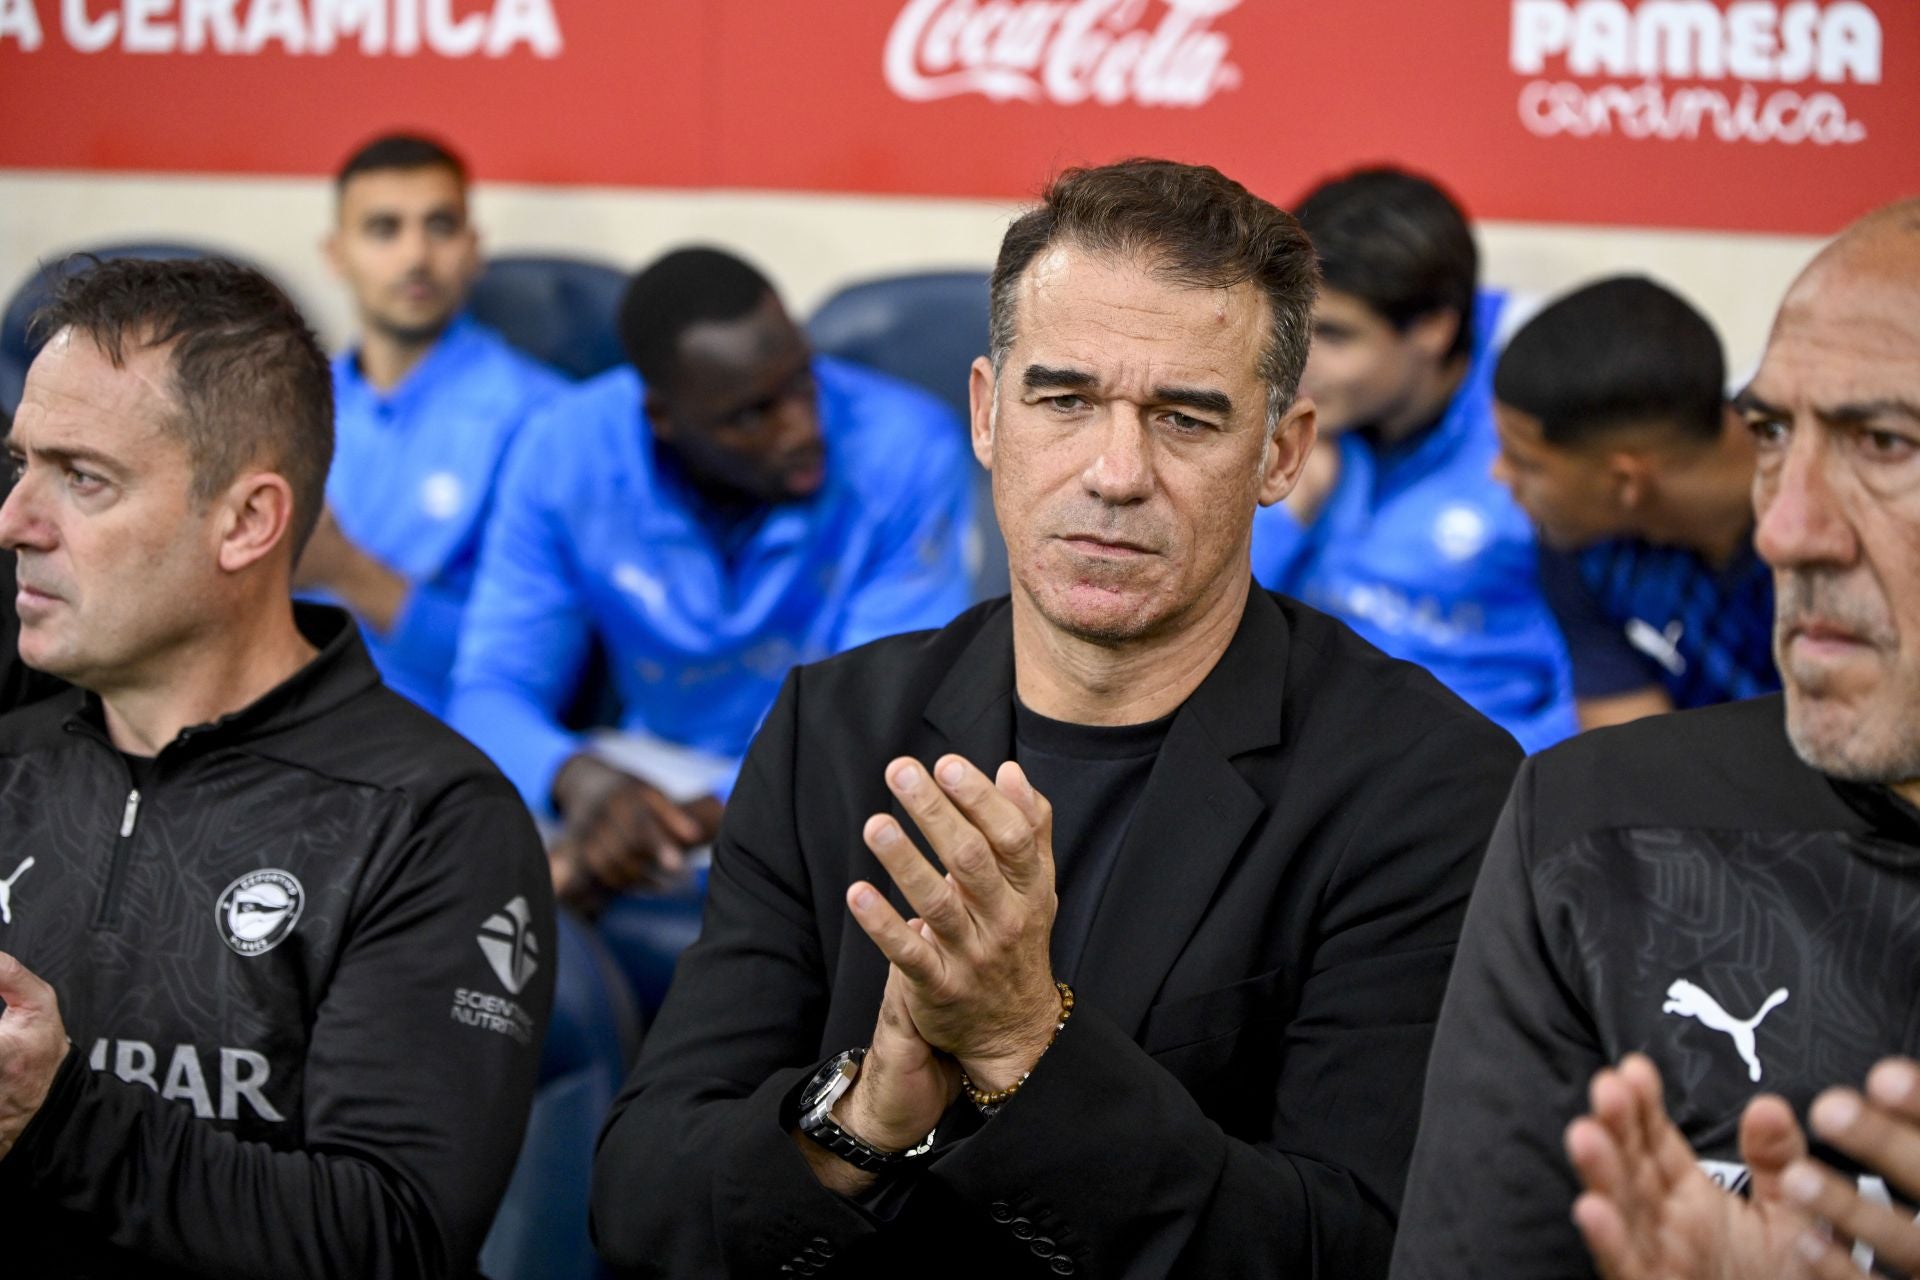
[[1789, 116]]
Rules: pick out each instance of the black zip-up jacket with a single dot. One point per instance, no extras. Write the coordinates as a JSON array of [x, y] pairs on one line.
[[1682, 886], [305, 965]]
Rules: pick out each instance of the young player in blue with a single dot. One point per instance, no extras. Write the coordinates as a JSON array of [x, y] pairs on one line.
[[425, 408], [1617, 439], [727, 507], [1413, 543]]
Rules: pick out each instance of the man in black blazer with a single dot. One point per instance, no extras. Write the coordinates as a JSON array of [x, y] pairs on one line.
[[1205, 852]]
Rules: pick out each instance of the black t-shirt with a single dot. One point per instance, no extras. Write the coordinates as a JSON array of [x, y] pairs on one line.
[[1093, 775]]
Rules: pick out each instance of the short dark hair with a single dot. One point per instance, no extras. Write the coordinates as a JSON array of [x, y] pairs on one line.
[[1620, 352], [250, 383], [400, 151], [680, 289], [1397, 242], [1196, 226]]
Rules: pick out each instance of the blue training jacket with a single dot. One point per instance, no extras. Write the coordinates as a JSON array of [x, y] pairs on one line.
[[1420, 550], [591, 535], [412, 482]]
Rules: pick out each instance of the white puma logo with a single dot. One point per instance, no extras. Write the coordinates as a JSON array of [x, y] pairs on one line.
[[6, 891], [1690, 1001]]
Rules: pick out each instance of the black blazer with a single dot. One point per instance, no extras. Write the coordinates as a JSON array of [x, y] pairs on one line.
[[1237, 1091]]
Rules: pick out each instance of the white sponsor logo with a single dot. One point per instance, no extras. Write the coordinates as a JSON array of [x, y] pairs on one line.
[[640, 584], [259, 910], [1061, 51], [440, 495], [1461, 532], [403, 28], [1742, 50], [242, 1076], [510, 945], [1662, 646], [1690, 1001], [6, 891], [493, 1013]]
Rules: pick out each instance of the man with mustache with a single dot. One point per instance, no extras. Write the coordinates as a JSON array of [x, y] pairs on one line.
[[425, 405], [722, 507], [1153, 876], [1729, 895]]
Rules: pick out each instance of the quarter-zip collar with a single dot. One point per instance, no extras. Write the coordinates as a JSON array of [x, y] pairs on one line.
[[342, 669]]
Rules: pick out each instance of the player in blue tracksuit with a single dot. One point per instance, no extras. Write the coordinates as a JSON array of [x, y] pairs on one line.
[[1413, 543], [1617, 439], [425, 408], [730, 506]]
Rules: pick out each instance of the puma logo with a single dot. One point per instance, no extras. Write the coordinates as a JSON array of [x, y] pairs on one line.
[[1689, 1001], [6, 891]]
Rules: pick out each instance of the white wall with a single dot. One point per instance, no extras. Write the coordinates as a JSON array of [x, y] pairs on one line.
[[808, 243]]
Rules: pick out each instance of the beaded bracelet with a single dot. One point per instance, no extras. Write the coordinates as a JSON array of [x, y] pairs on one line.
[[990, 1102]]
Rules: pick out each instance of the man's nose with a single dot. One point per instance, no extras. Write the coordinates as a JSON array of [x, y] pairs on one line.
[[17, 519], [1122, 471], [797, 422], [1801, 515]]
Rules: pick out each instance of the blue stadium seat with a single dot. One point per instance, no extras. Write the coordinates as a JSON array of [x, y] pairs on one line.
[[560, 310], [18, 347], [540, 1232], [646, 932], [925, 329], [13, 380]]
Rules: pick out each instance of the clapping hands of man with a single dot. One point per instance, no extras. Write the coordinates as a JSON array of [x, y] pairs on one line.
[[971, 980], [1649, 1213]]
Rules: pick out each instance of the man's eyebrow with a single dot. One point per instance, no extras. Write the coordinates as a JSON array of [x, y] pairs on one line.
[[1852, 413], [1205, 399], [1864, 411], [1040, 375], [65, 455], [1745, 401]]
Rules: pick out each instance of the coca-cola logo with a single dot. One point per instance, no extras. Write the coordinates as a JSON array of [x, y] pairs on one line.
[[1748, 71], [1062, 51]]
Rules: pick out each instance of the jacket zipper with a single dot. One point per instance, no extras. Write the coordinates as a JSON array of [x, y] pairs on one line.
[[109, 916]]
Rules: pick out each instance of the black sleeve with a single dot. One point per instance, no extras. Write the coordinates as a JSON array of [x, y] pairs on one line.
[[413, 1117], [1105, 1152], [1604, 664], [696, 1172], [1490, 1192]]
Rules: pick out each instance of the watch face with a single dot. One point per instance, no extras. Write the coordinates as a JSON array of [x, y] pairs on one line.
[[825, 1089]]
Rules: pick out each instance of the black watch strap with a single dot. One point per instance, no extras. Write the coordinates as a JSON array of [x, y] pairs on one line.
[[818, 1124], [868, 1159]]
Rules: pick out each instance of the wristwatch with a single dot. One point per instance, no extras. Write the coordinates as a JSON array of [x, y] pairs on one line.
[[827, 1087]]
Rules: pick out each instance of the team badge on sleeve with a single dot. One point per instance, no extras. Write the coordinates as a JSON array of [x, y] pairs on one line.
[[259, 910], [510, 945]]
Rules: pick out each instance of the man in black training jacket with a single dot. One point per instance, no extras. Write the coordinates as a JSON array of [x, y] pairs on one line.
[[275, 945], [1208, 851], [1731, 895]]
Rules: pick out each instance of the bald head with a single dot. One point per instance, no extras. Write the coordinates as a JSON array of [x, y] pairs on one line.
[[1880, 249], [1835, 413]]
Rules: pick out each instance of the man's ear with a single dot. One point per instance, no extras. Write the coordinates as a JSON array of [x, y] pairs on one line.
[[1633, 477], [256, 515], [1284, 456], [1433, 334], [981, 391]]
